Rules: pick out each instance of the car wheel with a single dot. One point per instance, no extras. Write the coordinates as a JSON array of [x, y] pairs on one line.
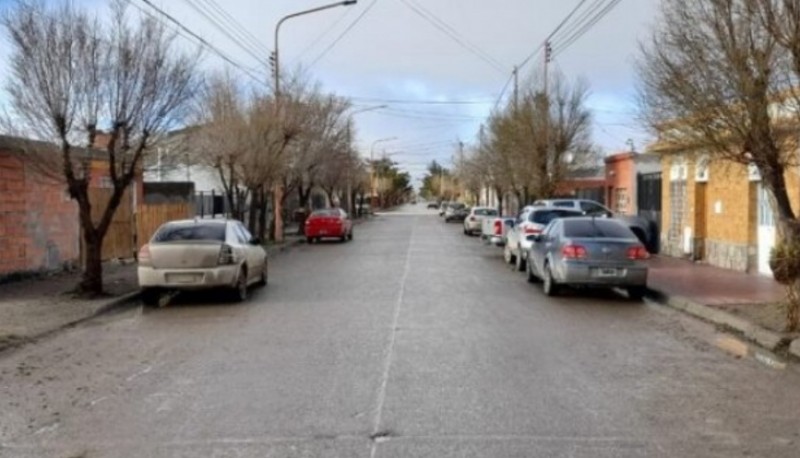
[[508, 255], [310, 240], [151, 297], [636, 293], [532, 278], [350, 235], [520, 261], [239, 292], [262, 279], [549, 287], [466, 232]]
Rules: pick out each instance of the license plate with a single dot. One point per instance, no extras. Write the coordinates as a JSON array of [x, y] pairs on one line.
[[606, 272], [182, 278]]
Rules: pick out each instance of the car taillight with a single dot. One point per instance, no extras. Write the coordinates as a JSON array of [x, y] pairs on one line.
[[574, 252], [225, 255], [533, 230], [498, 227], [638, 253], [144, 256]]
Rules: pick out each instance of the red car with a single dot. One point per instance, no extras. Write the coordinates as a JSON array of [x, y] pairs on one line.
[[329, 223]]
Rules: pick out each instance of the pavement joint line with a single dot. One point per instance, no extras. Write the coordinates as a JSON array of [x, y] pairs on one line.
[[387, 364]]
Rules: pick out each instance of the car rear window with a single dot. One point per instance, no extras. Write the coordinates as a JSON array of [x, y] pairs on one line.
[[544, 217], [328, 213], [457, 206], [596, 228], [190, 231], [485, 212]]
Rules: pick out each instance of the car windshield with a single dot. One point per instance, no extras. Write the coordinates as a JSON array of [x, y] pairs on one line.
[[175, 232], [544, 217], [596, 228], [327, 213]]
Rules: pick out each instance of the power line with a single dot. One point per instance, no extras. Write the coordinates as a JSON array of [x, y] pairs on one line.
[[345, 32], [218, 25], [237, 26], [467, 46], [503, 92], [579, 20], [555, 31], [420, 102], [347, 12], [202, 41], [581, 32]]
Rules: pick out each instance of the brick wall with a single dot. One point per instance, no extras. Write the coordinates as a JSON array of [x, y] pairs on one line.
[[39, 227]]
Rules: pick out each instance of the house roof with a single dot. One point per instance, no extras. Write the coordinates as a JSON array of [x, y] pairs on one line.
[[587, 173]]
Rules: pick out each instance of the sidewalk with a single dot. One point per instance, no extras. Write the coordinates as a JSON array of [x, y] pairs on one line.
[[748, 303], [36, 306]]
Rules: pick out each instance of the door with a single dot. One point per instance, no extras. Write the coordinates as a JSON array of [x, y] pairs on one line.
[[766, 229]]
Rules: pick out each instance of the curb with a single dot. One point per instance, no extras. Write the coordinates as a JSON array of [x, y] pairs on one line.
[[274, 250], [765, 338], [111, 305]]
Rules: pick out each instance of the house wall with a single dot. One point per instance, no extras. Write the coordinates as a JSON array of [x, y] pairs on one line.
[[731, 217], [621, 176], [39, 227]]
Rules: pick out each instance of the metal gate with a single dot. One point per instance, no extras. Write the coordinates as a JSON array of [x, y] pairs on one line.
[[648, 199]]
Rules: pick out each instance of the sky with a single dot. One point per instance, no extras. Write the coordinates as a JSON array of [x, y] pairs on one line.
[[438, 78]]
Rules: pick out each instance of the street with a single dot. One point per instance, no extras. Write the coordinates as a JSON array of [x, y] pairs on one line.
[[411, 341]]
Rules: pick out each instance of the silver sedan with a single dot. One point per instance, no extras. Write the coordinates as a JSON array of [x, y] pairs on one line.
[[588, 251]]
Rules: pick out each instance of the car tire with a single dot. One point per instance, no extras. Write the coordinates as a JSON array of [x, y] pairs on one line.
[[519, 261], [466, 232], [150, 297], [531, 277], [508, 256], [350, 235], [239, 291], [310, 240], [263, 278], [636, 293], [549, 285]]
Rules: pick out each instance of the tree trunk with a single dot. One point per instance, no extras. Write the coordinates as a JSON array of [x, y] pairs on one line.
[[262, 213], [499, 202], [92, 279], [253, 213]]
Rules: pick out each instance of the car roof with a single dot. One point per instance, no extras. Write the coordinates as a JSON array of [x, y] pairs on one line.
[[199, 221]]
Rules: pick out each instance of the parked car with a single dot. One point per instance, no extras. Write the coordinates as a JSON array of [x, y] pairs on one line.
[[531, 221], [201, 254], [473, 221], [588, 251], [329, 223], [433, 206], [459, 215], [645, 229], [494, 229], [452, 208]]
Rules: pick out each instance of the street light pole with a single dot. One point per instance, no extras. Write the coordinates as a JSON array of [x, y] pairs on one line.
[[350, 201], [278, 190]]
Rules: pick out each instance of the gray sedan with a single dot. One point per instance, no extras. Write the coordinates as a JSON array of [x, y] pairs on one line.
[[588, 251]]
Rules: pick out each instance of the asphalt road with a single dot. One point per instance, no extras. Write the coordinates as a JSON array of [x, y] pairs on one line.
[[411, 341]]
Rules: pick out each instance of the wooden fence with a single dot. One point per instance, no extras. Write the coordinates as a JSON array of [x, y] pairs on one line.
[[128, 232], [151, 216]]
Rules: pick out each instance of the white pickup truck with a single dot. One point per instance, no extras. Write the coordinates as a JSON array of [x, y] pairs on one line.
[[494, 229]]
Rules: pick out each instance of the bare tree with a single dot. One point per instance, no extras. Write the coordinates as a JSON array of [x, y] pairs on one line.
[[73, 77], [720, 76]]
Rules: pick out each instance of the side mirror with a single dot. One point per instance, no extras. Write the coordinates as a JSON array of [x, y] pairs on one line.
[[255, 241]]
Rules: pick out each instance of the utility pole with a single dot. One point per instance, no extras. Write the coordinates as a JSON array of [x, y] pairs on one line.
[[548, 56], [516, 88]]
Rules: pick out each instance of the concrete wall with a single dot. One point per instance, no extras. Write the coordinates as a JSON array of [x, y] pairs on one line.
[[39, 227]]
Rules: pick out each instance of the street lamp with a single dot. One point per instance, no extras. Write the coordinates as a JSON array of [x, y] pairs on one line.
[[373, 191], [276, 61], [294, 15]]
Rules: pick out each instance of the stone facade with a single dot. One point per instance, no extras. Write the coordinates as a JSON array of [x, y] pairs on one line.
[[728, 255]]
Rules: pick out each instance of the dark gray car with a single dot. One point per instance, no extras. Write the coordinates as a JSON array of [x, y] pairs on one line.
[[588, 251]]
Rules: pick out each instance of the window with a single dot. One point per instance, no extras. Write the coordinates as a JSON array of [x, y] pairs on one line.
[[242, 233], [596, 228], [544, 217], [176, 232], [677, 171], [485, 212], [594, 209], [564, 204], [328, 212]]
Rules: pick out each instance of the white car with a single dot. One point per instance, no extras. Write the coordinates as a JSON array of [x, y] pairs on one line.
[[201, 254], [531, 221], [473, 222]]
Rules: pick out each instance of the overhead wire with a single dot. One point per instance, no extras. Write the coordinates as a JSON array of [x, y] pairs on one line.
[[442, 27], [225, 31], [321, 36], [237, 26], [196, 38], [588, 26], [343, 34]]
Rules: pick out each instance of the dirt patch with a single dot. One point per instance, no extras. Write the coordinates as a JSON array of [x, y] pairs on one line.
[[771, 316]]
